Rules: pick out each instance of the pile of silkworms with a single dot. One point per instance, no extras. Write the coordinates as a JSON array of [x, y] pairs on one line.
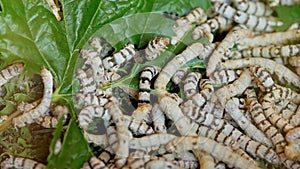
[[242, 107]]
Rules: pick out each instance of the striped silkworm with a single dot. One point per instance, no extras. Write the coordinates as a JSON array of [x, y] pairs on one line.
[[44, 106], [137, 126], [206, 89], [272, 51], [220, 125], [223, 49], [144, 107], [195, 15], [275, 38], [158, 119], [284, 74], [207, 51], [90, 99], [113, 62], [179, 75], [215, 149], [160, 163], [172, 66], [155, 47], [10, 72], [123, 134], [190, 84], [21, 163], [220, 96], [217, 23], [224, 76], [253, 22], [171, 15], [250, 129], [252, 7], [100, 45], [150, 141], [93, 60], [169, 105], [256, 111], [264, 78], [137, 159]]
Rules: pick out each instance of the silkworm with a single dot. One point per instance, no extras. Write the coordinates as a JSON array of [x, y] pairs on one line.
[[155, 47], [55, 9], [137, 159], [147, 142], [222, 50], [218, 22], [171, 15], [10, 72], [266, 82], [87, 82], [210, 146], [272, 51], [98, 139], [123, 134], [51, 121], [271, 132], [251, 130], [206, 88], [94, 163], [137, 126], [283, 73], [179, 75], [256, 23], [158, 118], [275, 38], [144, 107], [43, 107], [253, 7], [190, 84], [207, 51], [20, 163], [221, 77], [195, 15], [206, 161], [224, 9], [170, 107], [172, 66]]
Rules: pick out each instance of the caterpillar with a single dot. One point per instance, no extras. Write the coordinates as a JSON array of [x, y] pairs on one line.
[[224, 76], [190, 84], [144, 107], [153, 140], [10, 72], [271, 51], [283, 73], [169, 105], [21, 163], [184, 24], [159, 163], [235, 113], [155, 47], [218, 22], [172, 66], [256, 111], [113, 62], [215, 149], [253, 7], [294, 61], [171, 15], [87, 82], [179, 75], [137, 126], [43, 107], [87, 114], [221, 125], [266, 82], [256, 23], [274, 38], [206, 161], [223, 49]]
